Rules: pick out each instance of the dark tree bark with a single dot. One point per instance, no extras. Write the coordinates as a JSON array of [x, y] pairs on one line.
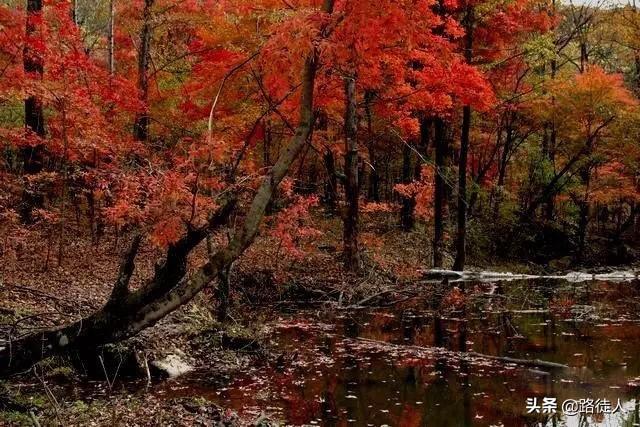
[[407, 217], [111, 62], [351, 214], [331, 186], [423, 145], [373, 192], [584, 208], [32, 157], [132, 311], [141, 125], [440, 191], [550, 149], [461, 235]]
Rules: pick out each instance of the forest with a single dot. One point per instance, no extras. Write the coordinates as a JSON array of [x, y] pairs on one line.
[[319, 212]]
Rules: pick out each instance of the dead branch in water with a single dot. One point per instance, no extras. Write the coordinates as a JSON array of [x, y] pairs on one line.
[[470, 354]]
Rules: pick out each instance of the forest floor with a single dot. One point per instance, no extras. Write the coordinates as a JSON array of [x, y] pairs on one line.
[[36, 293]]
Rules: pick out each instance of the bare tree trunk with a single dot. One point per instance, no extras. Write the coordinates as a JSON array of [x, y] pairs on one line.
[[462, 192], [141, 126], [551, 148], [111, 38], [350, 217], [74, 11], [461, 252], [373, 192], [331, 186], [585, 211], [32, 157], [407, 218], [128, 312], [440, 191]]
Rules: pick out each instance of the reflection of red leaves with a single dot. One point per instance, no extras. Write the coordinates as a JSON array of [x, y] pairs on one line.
[[562, 306], [455, 298]]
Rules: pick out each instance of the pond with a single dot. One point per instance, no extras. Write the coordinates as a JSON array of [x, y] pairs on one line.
[[462, 354]]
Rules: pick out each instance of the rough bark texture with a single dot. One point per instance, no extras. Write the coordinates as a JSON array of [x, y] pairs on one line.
[[331, 186], [407, 218], [373, 192], [141, 125], [32, 157], [350, 217], [461, 236], [130, 312], [111, 38], [440, 192]]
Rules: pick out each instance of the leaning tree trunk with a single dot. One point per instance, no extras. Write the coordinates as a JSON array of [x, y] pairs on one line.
[[141, 125], [350, 218], [32, 156], [128, 312]]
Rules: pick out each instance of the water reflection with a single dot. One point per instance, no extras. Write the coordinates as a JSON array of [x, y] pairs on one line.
[[401, 366]]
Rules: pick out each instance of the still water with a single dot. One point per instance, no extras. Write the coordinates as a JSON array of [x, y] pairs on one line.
[[419, 362]]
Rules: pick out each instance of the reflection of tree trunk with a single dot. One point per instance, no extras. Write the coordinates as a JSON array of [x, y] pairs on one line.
[[465, 374], [407, 218], [351, 250], [439, 201], [438, 331]]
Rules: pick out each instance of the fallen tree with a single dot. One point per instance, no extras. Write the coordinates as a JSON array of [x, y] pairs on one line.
[[128, 312]]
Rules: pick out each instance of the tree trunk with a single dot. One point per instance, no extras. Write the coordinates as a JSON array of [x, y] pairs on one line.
[[462, 192], [32, 157], [440, 191], [407, 218], [350, 217], [551, 148], [373, 192], [331, 186], [461, 236], [423, 146], [223, 295], [74, 11], [141, 126], [111, 38], [584, 209], [129, 312]]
